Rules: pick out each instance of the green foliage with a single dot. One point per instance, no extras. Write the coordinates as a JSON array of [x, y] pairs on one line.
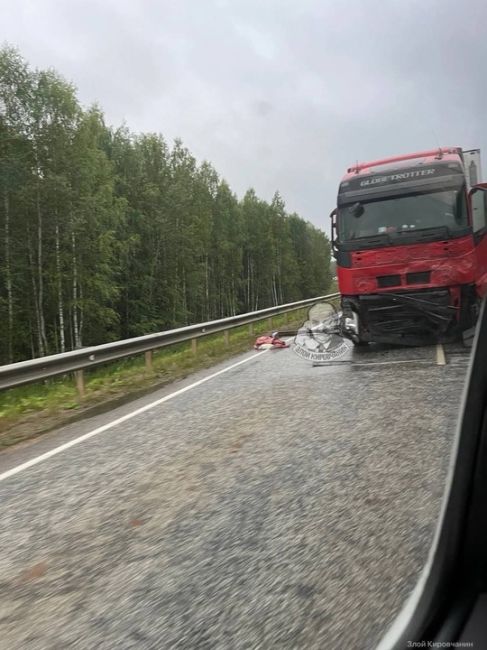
[[105, 234]]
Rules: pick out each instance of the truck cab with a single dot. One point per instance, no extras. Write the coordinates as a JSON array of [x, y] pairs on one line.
[[409, 239]]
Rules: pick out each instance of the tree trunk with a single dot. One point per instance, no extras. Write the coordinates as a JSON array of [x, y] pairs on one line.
[[249, 290], [40, 280], [274, 290], [234, 296], [207, 289], [76, 332], [35, 295], [62, 341], [185, 301], [174, 301], [81, 314], [155, 262], [8, 281], [248, 297], [31, 339]]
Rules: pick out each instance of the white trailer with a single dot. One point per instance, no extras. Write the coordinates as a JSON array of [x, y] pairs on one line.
[[473, 170]]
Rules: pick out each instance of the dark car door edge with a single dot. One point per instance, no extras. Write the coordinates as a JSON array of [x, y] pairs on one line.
[[443, 595]]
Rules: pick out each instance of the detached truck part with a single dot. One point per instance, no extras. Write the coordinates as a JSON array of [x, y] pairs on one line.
[[409, 236]]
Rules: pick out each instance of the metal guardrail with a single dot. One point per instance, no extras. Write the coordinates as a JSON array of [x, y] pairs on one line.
[[25, 372]]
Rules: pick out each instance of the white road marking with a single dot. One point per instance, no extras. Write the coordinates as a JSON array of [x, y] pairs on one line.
[[391, 363], [352, 362], [124, 418], [440, 355]]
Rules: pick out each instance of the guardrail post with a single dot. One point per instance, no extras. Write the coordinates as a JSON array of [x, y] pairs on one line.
[[194, 346], [269, 321], [226, 337], [251, 329], [79, 378], [148, 360]]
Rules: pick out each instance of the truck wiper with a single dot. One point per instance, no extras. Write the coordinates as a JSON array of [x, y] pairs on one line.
[[423, 232], [372, 239]]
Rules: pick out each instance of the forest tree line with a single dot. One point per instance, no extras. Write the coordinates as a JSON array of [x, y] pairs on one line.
[[106, 234]]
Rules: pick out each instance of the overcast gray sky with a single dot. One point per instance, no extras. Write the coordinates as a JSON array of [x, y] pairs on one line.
[[277, 94]]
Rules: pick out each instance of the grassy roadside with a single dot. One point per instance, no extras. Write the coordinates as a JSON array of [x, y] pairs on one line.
[[29, 411]]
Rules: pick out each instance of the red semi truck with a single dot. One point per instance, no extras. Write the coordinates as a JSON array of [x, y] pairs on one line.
[[409, 236]]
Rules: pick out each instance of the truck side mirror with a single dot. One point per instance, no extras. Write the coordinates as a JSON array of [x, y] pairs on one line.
[[478, 204], [333, 217]]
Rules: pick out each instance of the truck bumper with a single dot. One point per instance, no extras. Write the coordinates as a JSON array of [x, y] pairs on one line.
[[408, 317]]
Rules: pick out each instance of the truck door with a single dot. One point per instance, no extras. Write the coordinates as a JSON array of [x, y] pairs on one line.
[[478, 197]]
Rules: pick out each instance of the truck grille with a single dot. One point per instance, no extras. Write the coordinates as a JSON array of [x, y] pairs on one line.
[[422, 277], [386, 315], [388, 281]]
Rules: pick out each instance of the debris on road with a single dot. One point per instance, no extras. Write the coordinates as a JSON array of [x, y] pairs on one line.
[[268, 342]]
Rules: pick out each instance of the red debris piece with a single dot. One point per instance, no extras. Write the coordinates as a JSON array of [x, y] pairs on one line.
[[266, 342]]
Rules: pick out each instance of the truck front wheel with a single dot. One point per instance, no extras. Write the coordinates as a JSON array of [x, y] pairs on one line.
[[360, 344]]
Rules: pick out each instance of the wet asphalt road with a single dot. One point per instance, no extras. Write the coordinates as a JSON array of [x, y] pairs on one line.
[[278, 505]]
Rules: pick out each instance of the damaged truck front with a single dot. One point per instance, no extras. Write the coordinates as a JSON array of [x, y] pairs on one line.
[[409, 236]]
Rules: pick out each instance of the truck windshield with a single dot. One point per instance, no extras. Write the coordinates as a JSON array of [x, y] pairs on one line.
[[404, 213]]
